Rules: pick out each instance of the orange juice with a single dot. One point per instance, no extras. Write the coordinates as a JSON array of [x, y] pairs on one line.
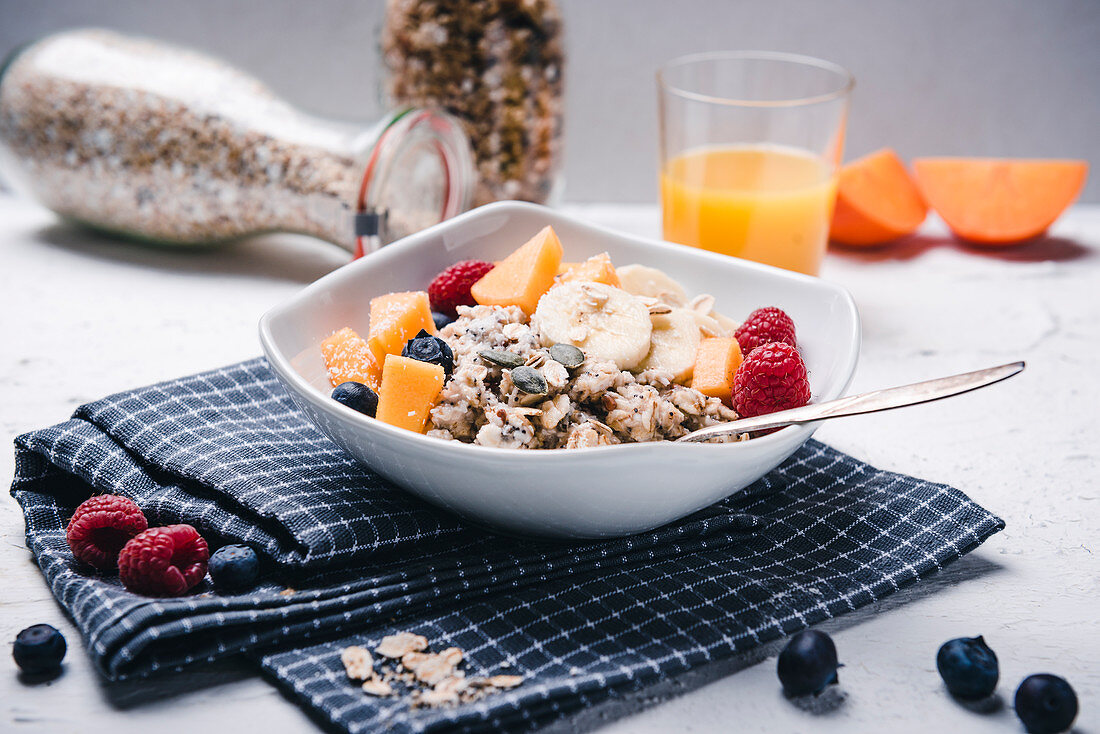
[[766, 203]]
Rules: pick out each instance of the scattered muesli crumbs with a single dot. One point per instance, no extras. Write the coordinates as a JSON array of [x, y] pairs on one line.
[[287, 592], [430, 679]]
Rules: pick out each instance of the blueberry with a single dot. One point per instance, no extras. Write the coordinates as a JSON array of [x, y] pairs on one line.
[[808, 663], [356, 396], [234, 567], [428, 348], [440, 319], [1046, 704], [39, 649], [968, 667]]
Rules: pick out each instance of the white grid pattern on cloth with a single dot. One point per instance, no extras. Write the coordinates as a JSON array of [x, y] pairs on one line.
[[822, 535]]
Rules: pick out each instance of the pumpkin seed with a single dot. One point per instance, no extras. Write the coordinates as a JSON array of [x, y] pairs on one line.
[[530, 381], [567, 354], [501, 357]]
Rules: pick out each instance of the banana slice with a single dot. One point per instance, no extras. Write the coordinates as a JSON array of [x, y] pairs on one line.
[[606, 323], [674, 342], [641, 280]]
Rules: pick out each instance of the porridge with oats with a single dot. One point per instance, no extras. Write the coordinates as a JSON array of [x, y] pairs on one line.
[[535, 353]]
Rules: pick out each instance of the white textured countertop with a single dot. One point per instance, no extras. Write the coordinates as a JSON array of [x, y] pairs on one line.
[[85, 316]]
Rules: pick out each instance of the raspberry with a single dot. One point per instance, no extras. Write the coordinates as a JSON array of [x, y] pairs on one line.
[[451, 288], [100, 527], [166, 561], [772, 377], [765, 325]]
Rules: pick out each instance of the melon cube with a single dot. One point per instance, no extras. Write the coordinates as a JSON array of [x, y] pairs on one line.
[[715, 364], [394, 319], [349, 359], [408, 392], [521, 278], [597, 269]]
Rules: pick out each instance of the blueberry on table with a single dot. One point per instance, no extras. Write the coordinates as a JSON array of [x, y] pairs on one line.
[[39, 649], [427, 348], [356, 396], [234, 567], [440, 319], [968, 667], [1046, 704], [808, 663]]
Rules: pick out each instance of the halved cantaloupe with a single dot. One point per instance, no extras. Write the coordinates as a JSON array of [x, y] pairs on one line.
[[349, 359], [998, 201], [597, 269], [394, 319], [409, 390], [715, 364], [521, 278], [876, 201]]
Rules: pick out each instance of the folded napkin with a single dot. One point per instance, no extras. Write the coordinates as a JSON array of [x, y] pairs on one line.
[[350, 558]]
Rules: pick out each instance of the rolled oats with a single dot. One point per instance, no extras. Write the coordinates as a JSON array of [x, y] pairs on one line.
[[401, 644], [596, 404], [376, 687], [357, 662]]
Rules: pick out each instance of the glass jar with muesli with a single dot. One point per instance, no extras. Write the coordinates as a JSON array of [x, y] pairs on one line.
[[496, 65], [168, 145]]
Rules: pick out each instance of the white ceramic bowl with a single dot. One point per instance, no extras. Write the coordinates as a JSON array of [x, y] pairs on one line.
[[583, 493]]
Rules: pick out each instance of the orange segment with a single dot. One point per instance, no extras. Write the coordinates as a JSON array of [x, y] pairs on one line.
[[394, 319], [876, 201], [597, 269], [349, 359], [999, 200], [408, 392], [521, 278], [715, 364]]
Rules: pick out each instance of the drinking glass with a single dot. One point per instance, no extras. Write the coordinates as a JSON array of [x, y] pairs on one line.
[[750, 146]]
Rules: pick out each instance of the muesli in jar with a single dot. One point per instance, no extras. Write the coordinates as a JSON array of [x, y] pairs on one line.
[[497, 66]]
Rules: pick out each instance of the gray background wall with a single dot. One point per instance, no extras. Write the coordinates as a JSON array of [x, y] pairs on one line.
[[934, 77]]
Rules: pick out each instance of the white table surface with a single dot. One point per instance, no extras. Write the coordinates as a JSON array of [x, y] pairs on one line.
[[84, 316]]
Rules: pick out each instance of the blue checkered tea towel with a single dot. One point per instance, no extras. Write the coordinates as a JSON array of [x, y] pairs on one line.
[[350, 558]]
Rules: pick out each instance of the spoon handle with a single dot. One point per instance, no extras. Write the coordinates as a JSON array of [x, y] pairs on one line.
[[868, 402]]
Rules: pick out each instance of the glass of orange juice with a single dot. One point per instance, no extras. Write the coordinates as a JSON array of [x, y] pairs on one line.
[[750, 146]]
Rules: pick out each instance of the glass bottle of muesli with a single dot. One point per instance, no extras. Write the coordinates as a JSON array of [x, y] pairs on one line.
[[497, 66], [168, 145]]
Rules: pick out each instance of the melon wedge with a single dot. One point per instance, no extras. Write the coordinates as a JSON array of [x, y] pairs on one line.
[[521, 278], [394, 319], [716, 362], [998, 201], [349, 359], [876, 201], [408, 392]]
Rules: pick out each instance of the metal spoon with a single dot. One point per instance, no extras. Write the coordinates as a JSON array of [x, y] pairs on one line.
[[868, 402]]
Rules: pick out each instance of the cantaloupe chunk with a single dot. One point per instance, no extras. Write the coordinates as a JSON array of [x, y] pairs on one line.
[[715, 364], [876, 201], [408, 392], [999, 201], [349, 359], [521, 278], [564, 267], [597, 269], [394, 319]]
